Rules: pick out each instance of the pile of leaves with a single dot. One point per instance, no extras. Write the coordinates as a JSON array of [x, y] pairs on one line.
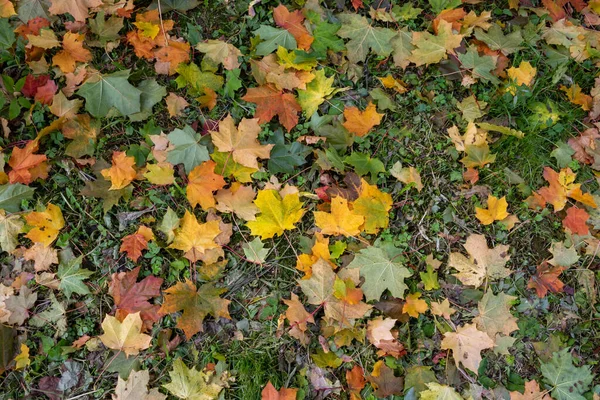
[[320, 199]]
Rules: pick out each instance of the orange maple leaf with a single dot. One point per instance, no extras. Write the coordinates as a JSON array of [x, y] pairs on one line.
[[270, 102], [79, 9], [169, 57], [546, 280], [202, 183], [361, 122], [121, 173], [135, 243], [562, 186], [72, 52], [26, 166], [575, 221], [270, 393], [292, 22]]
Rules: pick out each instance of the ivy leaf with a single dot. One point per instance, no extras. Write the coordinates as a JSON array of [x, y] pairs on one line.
[[188, 150], [71, 274], [196, 304], [380, 272], [363, 36], [568, 382], [286, 157], [110, 91]]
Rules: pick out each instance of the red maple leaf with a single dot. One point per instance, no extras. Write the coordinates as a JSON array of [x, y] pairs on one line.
[[546, 280], [131, 296], [271, 102], [575, 221]]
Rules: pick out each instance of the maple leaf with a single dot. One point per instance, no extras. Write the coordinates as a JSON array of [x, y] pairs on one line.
[[239, 200], [46, 224], [7, 9], [568, 382], [532, 392], [160, 174], [18, 306], [292, 22], [202, 182], [79, 9], [45, 93], [62, 107], [83, 130], [242, 141], [135, 387], [431, 49], [27, 166], [320, 250], [317, 90], [494, 314], [435, 391], [121, 173], [546, 280], [384, 381], [523, 75], [361, 122], [379, 333], [443, 309], [298, 318], [192, 384], [270, 393], [341, 220], [72, 52], [483, 262], [380, 272], [221, 52], [169, 57], [131, 296], [414, 305], [576, 96], [374, 205], [562, 186], [496, 210], [276, 214], [10, 227], [175, 104], [196, 304], [407, 175], [363, 36], [356, 381], [125, 336], [270, 102], [575, 221], [42, 256], [195, 238], [466, 345], [319, 287], [135, 243]]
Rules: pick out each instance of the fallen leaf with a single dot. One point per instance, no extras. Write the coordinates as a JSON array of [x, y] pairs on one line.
[[202, 182], [221, 52], [175, 104], [125, 336], [270, 393], [270, 102], [340, 221], [496, 210], [292, 22], [546, 280], [121, 173], [414, 305], [46, 224], [239, 200], [136, 388], [276, 214], [192, 384], [384, 381], [466, 345], [361, 122], [195, 238], [576, 221], [27, 166]]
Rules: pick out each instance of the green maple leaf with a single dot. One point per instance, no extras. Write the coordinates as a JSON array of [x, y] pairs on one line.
[[325, 35], [319, 287], [363, 164], [286, 157], [111, 91], [255, 251], [7, 36], [480, 65], [431, 49], [188, 151], [152, 93], [363, 36], [403, 48], [563, 154], [71, 274], [272, 38], [478, 156], [11, 195], [568, 381], [10, 227], [380, 272], [496, 40], [196, 80], [430, 279]]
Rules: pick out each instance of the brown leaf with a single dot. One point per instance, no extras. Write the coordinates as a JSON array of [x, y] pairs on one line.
[[271, 102], [546, 280]]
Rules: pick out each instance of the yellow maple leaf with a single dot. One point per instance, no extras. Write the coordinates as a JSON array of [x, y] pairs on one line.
[[374, 205], [242, 141], [7, 9], [361, 122], [121, 173], [160, 174], [576, 96], [202, 182], [125, 336], [195, 238], [523, 75], [496, 210], [46, 224], [276, 214], [414, 305], [390, 82], [147, 29], [22, 359], [340, 221], [320, 250]]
